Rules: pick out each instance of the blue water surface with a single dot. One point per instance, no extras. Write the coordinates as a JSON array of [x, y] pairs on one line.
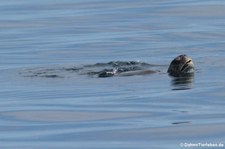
[[135, 112]]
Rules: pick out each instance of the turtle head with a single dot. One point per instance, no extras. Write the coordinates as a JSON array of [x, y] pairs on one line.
[[181, 65]]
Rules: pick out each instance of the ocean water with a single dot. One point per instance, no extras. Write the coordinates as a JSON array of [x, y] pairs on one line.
[[135, 112]]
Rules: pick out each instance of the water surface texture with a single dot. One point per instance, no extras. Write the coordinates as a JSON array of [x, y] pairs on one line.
[[129, 112]]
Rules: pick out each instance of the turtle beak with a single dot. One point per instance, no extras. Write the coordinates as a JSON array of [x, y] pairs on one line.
[[188, 66]]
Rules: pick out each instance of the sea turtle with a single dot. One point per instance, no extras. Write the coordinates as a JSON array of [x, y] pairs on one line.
[[181, 66]]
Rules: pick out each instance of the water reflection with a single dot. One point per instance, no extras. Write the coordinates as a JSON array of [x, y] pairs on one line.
[[184, 82], [181, 122]]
